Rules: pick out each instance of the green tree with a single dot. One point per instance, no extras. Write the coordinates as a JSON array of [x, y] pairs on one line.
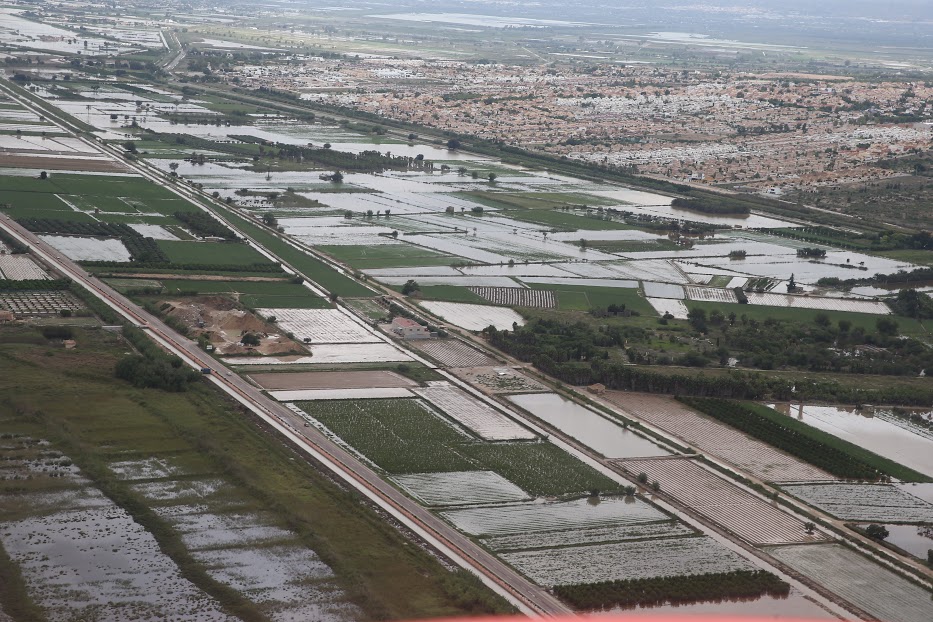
[[876, 532], [250, 339], [886, 326], [410, 287]]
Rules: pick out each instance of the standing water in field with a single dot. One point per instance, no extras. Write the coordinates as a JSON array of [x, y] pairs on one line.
[[880, 431]]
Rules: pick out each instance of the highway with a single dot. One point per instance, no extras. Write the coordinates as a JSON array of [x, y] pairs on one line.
[[527, 597]]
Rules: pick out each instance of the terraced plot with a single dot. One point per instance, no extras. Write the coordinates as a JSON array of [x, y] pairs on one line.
[[626, 560], [881, 503], [517, 296], [741, 512], [870, 587], [460, 488], [487, 422], [577, 514], [717, 439], [453, 353]]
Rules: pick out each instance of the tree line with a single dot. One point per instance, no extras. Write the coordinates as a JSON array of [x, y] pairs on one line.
[[676, 590]]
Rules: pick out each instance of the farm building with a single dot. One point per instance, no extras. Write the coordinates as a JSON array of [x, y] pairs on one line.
[[409, 329], [6, 316], [597, 389]]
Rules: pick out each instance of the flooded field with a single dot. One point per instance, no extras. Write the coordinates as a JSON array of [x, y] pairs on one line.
[[590, 428], [716, 438], [915, 539], [874, 430], [474, 317], [78, 550], [874, 589]]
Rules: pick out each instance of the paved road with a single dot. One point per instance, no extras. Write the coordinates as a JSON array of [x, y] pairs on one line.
[[530, 598]]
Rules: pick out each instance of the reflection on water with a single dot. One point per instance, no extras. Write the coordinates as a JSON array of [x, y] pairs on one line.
[[915, 539], [876, 430], [795, 605], [588, 427]]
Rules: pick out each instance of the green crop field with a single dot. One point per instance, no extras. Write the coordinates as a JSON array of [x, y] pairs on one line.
[[224, 253], [449, 293], [270, 294], [566, 221], [313, 268], [387, 256], [200, 434], [585, 297], [402, 436]]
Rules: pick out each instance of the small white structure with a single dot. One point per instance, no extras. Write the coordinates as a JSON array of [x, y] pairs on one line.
[[409, 329]]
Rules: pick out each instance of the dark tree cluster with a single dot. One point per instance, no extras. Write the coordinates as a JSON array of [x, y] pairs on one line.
[[205, 225], [677, 590]]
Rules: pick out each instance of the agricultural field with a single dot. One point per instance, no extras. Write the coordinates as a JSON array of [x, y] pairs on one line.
[[879, 503], [88, 249], [626, 560], [870, 587], [583, 513], [663, 306], [51, 533], [483, 420], [875, 432], [741, 512], [517, 296], [405, 436], [162, 505], [587, 426], [460, 488], [311, 395], [255, 293], [39, 302], [586, 535], [453, 353], [710, 294], [347, 379], [499, 380], [662, 290], [21, 268], [320, 326], [825, 304], [474, 317], [715, 438], [330, 354], [398, 435]]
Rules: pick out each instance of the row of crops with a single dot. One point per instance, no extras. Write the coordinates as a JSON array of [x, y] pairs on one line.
[[825, 451]]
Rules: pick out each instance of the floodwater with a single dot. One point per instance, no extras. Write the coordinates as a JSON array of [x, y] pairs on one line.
[[876, 431], [915, 539], [588, 427], [796, 606], [649, 204]]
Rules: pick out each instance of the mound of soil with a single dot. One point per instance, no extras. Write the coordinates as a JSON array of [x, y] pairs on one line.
[[224, 323]]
